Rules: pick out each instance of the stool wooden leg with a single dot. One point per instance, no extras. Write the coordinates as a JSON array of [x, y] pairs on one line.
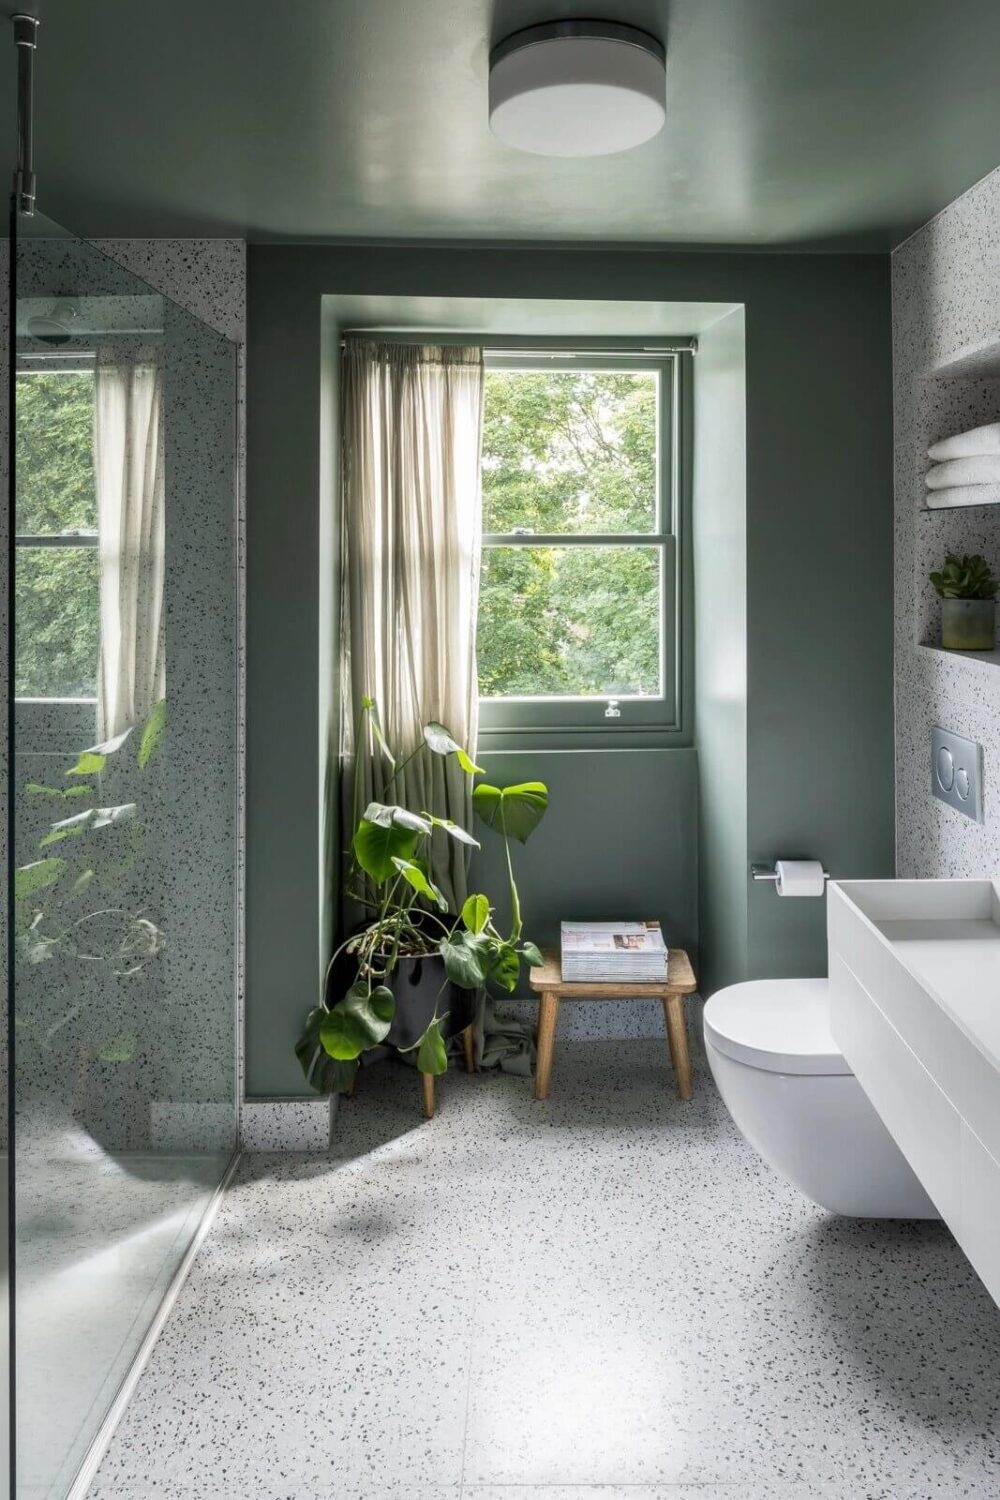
[[428, 1082], [548, 1015], [469, 1048], [673, 1012]]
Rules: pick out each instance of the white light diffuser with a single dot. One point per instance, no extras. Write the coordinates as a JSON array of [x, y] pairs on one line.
[[577, 88]]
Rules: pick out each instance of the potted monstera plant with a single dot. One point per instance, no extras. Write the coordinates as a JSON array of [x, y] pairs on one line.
[[407, 976]]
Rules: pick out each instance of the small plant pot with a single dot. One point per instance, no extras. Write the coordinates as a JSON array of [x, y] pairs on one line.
[[968, 624]]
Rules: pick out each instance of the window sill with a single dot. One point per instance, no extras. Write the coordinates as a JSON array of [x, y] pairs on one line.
[[604, 737]]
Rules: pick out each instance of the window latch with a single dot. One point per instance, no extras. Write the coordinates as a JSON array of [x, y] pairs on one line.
[[612, 711]]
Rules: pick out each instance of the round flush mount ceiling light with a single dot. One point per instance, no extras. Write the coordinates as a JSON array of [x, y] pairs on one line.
[[577, 88]]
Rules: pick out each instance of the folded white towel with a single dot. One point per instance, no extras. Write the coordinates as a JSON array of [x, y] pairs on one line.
[[959, 471], [964, 494], [968, 444]]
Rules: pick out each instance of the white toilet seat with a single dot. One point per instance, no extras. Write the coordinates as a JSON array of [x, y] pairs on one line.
[[779, 1025], [790, 1091]]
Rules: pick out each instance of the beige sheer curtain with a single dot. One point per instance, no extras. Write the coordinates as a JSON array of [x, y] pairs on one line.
[[411, 439], [128, 467]]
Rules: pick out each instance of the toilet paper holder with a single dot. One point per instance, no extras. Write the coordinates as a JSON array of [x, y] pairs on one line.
[[769, 872]]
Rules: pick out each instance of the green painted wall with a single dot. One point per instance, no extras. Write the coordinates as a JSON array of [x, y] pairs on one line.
[[819, 585], [619, 840], [720, 628]]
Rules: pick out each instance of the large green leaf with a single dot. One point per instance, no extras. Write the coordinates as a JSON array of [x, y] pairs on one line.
[[505, 969], [415, 874], [389, 814], [514, 810], [94, 817], [37, 791], [432, 1055], [90, 763], [153, 733], [359, 1021], [443, 742], [476, 913], [386, 834], [30, 879], [465, 960], [326, 1074], [453, 830]]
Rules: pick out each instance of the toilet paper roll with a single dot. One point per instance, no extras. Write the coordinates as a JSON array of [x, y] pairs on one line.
[[800, 877]]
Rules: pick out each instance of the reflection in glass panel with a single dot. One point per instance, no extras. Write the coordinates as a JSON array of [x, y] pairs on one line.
[[55, 486], [570, 450], [57, 611], [573, 621], [124, 781]]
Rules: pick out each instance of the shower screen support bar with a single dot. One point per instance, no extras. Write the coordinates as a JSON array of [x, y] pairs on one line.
[[25, 40]]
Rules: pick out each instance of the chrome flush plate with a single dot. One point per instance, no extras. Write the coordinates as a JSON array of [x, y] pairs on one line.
[[957, 772]]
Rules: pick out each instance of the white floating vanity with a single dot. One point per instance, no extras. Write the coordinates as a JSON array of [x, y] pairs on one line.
[[915, 1008]]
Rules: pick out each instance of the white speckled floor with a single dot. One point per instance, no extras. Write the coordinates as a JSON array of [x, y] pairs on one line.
[[603, 1297], [99, 1237]]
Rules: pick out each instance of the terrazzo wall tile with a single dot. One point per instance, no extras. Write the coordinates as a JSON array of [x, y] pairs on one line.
[[946, 362], [188, 1055], [285, 1125], [207, 277]]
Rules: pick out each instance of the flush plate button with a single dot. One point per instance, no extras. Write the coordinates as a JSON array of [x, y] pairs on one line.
[[957, 772]]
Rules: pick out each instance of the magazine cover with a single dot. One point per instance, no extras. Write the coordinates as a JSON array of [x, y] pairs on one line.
[[613, 951]]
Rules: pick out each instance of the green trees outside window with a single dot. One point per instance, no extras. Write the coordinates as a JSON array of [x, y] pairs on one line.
[[58, 615], [570, 453]]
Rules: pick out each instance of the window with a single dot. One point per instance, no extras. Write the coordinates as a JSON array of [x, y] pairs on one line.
[[57, 588], [578, 624]]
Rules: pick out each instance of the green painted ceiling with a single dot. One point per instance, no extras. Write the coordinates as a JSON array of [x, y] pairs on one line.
[[820, 123]]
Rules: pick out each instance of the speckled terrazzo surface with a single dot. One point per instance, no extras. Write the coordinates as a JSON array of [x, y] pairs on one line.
[[946, 303], [198, 888], [603, 1295], [105, 1211]]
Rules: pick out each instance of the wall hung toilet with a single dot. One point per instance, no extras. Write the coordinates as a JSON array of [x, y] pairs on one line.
[[788, 1088]]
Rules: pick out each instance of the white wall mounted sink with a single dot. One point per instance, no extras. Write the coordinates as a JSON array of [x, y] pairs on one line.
[[915, 1008]]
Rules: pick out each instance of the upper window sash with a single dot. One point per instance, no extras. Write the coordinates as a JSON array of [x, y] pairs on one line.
[[662, 367]]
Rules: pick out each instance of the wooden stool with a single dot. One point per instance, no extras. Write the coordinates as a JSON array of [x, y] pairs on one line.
[[427, 1079], [549, 982]]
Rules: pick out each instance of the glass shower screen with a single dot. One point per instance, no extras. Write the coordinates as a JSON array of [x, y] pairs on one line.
[[122, 782]]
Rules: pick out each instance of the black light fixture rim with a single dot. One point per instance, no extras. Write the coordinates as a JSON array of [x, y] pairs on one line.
[[604, 31]]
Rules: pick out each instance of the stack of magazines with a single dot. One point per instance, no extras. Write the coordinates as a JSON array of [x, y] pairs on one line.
[[613, 952]]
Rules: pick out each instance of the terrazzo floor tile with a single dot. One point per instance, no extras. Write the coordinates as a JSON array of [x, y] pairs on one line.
[[766, 1491], [606, 1294]]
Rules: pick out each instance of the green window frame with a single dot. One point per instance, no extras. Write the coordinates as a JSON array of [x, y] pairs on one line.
[[625, 720]]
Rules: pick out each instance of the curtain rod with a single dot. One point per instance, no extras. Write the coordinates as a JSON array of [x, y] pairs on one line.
[[541, 349]]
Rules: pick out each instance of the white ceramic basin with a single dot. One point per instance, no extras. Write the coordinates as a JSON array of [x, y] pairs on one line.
[[915, 1008]]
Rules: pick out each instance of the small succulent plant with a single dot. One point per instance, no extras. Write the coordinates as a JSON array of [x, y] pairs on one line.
[[965, 578]]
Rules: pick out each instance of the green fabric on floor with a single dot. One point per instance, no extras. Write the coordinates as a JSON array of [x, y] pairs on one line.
[[504, 1042], [507, 1043]]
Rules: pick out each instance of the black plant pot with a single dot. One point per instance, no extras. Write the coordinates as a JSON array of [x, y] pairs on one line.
[[420, 984]]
